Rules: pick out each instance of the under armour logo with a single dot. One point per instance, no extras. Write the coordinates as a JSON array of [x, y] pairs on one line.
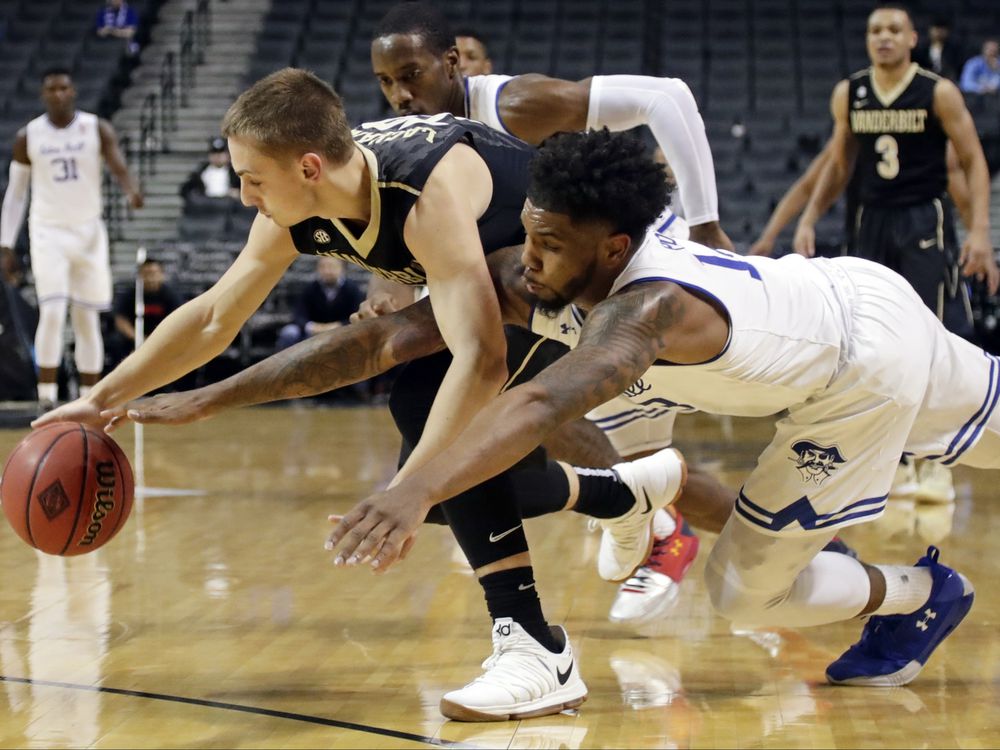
[[929, 614], [567, 328], [322, 237]]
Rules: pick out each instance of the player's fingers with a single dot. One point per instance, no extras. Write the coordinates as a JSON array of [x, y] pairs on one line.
[[162, 412], [368, 544], [349, 533], [407, 546], [391, 551]]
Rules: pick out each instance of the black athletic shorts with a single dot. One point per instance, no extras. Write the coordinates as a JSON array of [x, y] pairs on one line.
[[919, 243]]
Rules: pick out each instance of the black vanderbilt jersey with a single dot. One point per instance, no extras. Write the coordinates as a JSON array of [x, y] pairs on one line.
[[901, 159], [401, 153]]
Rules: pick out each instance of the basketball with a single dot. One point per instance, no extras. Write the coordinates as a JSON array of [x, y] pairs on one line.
[[67, 489]]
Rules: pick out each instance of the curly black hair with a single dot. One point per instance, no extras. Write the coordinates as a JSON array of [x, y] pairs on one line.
[[419, 18], [599, 175]]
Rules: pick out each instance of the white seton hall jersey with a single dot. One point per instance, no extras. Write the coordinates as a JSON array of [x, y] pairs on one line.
[[481, 95], [65, 170], [787, 329]]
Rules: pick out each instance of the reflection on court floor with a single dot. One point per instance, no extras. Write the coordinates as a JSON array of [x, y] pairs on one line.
[[219, 621]]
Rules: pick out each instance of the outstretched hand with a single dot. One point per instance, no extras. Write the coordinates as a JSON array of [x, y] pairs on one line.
[[380, 528], [182, 407], [82, 410]]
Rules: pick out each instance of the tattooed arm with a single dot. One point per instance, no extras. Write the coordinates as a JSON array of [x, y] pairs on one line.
[[328, 360], [321, 363], [620, 340]]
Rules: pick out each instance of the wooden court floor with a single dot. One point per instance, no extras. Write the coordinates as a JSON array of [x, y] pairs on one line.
[[217, 620]]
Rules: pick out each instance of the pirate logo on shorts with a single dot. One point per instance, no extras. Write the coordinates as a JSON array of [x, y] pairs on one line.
[[816, 462]]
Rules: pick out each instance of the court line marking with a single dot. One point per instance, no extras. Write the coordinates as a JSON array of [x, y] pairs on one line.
[[274, 713]]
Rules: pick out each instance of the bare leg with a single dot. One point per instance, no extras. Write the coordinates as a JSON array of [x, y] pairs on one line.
[[705, 502]]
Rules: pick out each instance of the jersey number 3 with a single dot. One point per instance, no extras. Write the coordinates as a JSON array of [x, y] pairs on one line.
[[65, 170], [888, 166]]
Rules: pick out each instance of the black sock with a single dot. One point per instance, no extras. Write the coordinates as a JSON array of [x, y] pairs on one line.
[[602, 494], [511, 593]]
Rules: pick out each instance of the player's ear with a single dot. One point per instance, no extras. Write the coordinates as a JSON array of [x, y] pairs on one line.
[[616, 247], [451, 60], [311, 166]]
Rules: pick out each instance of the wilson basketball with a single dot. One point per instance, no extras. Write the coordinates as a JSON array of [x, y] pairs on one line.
[[67, 489]]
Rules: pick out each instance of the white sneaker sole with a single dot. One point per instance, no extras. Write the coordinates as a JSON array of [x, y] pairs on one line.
[[553, 703]]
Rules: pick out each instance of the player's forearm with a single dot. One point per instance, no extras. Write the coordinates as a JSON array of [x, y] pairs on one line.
[[667, 106], [185, 340], [331, 360], [791, 205], [978, 179], [829, 185], [15, 203], [126, 180]]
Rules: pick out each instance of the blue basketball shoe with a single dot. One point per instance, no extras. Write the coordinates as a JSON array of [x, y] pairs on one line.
[[894, 648]]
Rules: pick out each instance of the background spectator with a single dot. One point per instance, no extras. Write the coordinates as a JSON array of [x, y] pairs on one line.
[[160, 300], [940, 54], [473, 55], [326, 302], [981, 74], [213, 181], [119, 21]]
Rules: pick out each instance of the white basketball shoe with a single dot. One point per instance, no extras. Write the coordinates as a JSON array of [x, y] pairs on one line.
[[522, 679], [655, 481], [652, 591]]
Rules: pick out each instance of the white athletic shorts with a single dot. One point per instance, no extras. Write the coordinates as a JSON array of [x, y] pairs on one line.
[[71, 263], [905, 385], [635, 424]]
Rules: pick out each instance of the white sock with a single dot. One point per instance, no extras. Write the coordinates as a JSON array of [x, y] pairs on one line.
[[906, 589], [85, 390], [48, 392], [664, 524]]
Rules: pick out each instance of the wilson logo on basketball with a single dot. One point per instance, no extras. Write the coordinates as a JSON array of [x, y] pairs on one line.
[[104, 503]]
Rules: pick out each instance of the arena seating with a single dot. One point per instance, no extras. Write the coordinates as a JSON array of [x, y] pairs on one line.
[[761, 70], [37, 34]]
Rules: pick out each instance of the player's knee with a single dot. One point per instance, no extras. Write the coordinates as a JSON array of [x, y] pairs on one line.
[[732, 599]]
